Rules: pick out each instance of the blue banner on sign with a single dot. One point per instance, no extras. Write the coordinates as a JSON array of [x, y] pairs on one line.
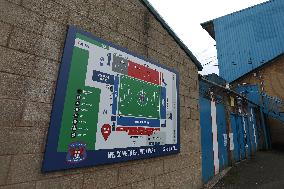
[[103, 77], [115, 93], [163, 103], [134, 121]]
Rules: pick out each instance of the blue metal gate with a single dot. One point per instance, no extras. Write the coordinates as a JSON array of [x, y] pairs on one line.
[[221, 162], [236, 140], [247, 135], [239, 138], [206, 139], [222, 137], [240, 134], [254, 129]]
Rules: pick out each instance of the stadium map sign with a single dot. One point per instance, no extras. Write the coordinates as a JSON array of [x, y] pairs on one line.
[[110, 106]]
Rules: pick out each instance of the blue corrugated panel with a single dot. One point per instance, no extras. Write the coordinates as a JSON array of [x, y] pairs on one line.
[[251, 92], [273, 107], [222, 136], [206, 140], [235, 135], [250, 38], [215, 78]]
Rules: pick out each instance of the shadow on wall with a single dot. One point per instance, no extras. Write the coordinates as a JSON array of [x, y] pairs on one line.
[[277, 132]]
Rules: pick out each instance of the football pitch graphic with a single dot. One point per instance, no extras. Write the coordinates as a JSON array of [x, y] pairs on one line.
[[110, 106]]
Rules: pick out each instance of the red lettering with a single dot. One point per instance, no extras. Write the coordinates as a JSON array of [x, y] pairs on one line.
[[138, 130]]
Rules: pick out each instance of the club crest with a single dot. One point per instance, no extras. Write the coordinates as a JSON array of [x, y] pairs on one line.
[[76, 152]]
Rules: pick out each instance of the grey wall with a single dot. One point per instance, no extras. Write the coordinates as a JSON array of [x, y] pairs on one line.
[[32, 34]]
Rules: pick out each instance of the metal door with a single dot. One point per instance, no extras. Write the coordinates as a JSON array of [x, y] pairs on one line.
[[253, 129], [206, 139], [240, 130], [222, 137], [234, 136], [247, 135]]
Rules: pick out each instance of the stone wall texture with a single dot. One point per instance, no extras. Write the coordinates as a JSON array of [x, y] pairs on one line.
[[271, 75], [32, 34]]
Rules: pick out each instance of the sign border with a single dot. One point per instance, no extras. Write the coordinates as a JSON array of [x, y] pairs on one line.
[[53, 160]]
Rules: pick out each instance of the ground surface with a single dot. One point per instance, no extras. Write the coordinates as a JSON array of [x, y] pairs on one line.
[[265, 170]]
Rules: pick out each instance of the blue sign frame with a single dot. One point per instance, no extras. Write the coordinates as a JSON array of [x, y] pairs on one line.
[[54, 160]]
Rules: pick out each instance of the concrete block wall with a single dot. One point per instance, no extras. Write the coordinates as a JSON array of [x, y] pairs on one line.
[[32, 34], [271, 75]]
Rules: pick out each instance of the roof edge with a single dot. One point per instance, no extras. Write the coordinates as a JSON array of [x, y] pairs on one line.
[[230, 91], [209, 27], [210, 23], [269, 62], [244, 9], [172, 33], [204, 24]]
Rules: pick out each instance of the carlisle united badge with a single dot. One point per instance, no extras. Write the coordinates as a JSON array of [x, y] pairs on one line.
[[76, 152]]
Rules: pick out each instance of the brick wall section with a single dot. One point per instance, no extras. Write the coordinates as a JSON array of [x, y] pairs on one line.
[[272, 75], [32, 34], [276, 131]]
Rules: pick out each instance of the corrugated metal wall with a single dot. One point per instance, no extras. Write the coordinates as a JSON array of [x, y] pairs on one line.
[[272, 106], [231, 128], [273, 112], [247, 39]]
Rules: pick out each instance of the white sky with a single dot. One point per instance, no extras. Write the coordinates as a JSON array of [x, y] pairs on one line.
[[185, 16]]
